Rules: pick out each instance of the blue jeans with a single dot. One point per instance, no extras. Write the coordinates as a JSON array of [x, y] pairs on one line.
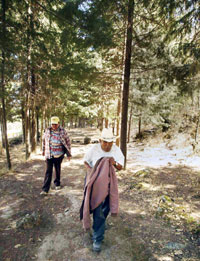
[[99, 218]]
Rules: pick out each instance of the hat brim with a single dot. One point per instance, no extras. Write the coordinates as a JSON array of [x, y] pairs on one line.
[[109, 139]]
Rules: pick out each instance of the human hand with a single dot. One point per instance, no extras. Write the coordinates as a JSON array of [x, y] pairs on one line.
[[86, 230], [112, 161]]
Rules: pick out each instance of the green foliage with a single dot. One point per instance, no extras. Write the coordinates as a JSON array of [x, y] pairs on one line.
[[76, 50], [165, 61]]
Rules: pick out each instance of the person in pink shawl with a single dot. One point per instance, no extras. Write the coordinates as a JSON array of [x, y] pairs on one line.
[[101, 188]]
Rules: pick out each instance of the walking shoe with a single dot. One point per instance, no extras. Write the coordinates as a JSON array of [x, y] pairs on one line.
[[43, 193], [57, 187], [97, 246]]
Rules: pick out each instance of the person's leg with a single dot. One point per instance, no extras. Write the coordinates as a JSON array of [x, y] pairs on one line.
[[99, 217], [106, 207], [48, 175], [57, 165]]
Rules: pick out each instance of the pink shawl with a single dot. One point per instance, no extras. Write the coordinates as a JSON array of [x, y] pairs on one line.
[[101, 182]]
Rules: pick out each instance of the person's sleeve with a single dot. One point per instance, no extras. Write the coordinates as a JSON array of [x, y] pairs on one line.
[[88, 157], [43, 143], [119, 157], [68, 142]]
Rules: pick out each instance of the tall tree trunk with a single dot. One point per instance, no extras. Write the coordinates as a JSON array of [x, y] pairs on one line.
[[126, 79], [32, 14], [27, 130], [139, 125], [37, 125], [2, 134], [129, 122], [23, 121], [41, 128], [120, 92], [1, 131], [118, 118], [106, 122], [33, 112], [198, 119], [4, 121], [197, 128], [30, 87]]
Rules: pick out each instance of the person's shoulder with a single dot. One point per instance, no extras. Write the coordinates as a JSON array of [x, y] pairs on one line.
[[62, 129], [93, 147], [97, 146], [116, 148]]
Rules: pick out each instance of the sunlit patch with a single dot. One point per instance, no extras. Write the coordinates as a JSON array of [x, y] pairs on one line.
[[161, 156], [146, 185], [170, 186], [164, 258], [21, 176], [150, 187], [77, 182], [74, 192], [74, 167], [76, 162], [65, 164], [195, 215], [154, 188], [133, 211], [40, 178], [8, 211], [12, 225], [36, 167]]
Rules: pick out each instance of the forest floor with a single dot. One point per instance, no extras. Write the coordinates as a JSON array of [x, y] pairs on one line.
[[159, 216]]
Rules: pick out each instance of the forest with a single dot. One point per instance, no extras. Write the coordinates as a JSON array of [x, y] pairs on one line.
[[99, 63], [130, 65]]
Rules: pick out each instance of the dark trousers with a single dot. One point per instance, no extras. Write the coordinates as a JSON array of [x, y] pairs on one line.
[[56, 162], [99, 218]]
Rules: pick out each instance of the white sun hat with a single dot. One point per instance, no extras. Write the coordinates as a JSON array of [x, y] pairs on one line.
[[54, 120], [107, 135]]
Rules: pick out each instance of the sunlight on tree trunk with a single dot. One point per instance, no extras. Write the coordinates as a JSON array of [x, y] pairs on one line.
[[139, 124], [118, 119], [4, 121], [129, 122], [126, 79]]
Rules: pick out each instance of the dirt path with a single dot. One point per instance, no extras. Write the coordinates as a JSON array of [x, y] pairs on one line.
[[158, 220]]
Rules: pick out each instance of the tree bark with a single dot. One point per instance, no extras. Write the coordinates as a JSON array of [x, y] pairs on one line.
[[139, 125], [37, 125], [126, 80], [129, 122], [33, 112], [198, 119], [4, 121], [120, 92], [27, 130], [1, 130], [41, 127]]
